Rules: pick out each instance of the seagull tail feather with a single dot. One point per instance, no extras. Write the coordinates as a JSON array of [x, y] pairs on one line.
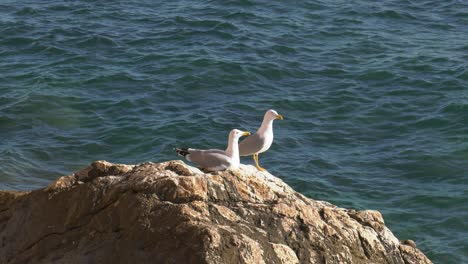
[[182, 151]]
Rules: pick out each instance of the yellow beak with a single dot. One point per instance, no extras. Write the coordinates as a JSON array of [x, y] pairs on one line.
[[280, 117], [246, 133]]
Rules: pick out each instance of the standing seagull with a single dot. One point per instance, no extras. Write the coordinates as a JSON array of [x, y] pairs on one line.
[[216, 159], [260, 141]]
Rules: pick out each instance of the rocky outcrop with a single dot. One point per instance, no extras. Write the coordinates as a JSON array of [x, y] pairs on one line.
[[173, 213]]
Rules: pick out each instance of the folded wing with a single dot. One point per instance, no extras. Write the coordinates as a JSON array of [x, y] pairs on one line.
[[251, 145], [211, 159]]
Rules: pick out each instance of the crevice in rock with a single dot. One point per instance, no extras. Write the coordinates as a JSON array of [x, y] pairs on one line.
[[322, 215], [364, 245], [178, 168], [303, 227]]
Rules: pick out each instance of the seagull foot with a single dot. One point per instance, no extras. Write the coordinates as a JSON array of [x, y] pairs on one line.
[[255, 157]]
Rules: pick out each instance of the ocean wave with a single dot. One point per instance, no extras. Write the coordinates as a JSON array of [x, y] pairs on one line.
[[109, 78], [394, 15], [241, 15], [464, 75], [17, 41], [25, 11], [376, 75], [205, 23], [97, 41]]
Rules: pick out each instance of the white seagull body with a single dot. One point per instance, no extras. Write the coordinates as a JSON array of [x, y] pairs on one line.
[[260, 141], [216, 159]]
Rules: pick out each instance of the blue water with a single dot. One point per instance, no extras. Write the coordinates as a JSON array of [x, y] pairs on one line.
[[374, 95]]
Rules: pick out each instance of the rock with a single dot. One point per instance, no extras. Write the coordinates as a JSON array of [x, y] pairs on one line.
[[170, 212]]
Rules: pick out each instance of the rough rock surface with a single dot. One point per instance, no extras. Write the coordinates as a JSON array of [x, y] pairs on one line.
[[172, 213]]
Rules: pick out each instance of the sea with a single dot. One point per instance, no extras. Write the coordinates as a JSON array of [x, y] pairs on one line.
[[374, 96]]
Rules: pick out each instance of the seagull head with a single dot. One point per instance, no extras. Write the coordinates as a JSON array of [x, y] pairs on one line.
[[272, 115], [236, 134]]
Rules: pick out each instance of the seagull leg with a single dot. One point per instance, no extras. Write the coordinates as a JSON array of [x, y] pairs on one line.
[[255, 157]]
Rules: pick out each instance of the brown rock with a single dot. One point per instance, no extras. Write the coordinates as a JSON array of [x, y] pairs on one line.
[[172, 213]]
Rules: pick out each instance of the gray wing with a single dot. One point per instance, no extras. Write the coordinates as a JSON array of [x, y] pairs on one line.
[[251, 145], [211, 159]]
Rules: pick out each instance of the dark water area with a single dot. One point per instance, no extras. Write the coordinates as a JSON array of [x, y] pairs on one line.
[[374, 95]]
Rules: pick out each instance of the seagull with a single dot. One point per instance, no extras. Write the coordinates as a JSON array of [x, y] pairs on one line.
[[216, 159], [260, 141]]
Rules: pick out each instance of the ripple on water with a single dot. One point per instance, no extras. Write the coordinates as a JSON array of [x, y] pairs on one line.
[[97, 41], [17, 41], [26, 11], [393, 14], [464, 75]]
